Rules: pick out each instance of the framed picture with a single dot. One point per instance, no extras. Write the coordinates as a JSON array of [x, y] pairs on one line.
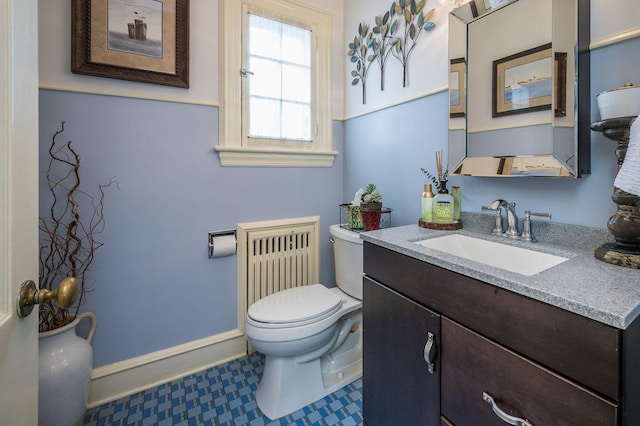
[[560, 74], [523, 82], [138, 40], [457, 87]]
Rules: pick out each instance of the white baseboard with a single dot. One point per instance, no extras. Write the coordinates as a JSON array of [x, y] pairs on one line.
[[127, 377]]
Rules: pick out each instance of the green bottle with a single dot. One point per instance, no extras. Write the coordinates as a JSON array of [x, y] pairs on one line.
[[457, 203], [443, 205]]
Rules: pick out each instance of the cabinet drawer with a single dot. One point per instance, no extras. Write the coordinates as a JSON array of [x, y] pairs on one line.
[[473, 365], [575, 346]]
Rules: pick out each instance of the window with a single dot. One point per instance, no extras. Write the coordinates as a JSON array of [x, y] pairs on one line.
[[278, 81], [274, 84]]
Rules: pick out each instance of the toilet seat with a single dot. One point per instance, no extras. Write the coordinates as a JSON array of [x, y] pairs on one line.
[[295, 307]]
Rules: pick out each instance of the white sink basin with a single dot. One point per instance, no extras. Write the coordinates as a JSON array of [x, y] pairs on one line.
[[503, 256]]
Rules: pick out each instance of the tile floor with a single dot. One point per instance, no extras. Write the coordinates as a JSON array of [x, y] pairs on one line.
[[222, 395]]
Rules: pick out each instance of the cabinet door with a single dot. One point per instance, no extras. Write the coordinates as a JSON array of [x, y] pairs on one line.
[[398, 388], [476, 370]]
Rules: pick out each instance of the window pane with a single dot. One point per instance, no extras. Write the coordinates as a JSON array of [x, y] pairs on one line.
[[266, 78], [296, 43], [264, 37], [297, 118], [296, 85], [264, 118]]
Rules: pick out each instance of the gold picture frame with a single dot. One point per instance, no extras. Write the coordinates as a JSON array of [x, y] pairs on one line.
[[523, 82], [138, 40]]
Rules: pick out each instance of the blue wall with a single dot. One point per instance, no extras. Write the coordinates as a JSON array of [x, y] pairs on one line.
[[154, 286], [389, 147]]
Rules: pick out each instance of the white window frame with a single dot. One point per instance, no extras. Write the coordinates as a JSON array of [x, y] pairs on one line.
[[234, 148]]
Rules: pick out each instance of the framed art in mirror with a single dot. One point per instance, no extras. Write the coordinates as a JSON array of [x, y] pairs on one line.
[[523, 82], [560, 86], [457, 87], [138, 40]]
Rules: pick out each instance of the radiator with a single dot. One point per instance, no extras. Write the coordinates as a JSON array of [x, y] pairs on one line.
[[274, 256]]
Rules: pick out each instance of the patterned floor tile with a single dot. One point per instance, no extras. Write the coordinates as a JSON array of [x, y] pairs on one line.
[[223, 396]]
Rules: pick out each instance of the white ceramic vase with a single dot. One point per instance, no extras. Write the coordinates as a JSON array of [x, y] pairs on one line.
[[65, 363]]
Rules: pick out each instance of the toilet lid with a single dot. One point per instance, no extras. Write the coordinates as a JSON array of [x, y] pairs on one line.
[[296, 305]]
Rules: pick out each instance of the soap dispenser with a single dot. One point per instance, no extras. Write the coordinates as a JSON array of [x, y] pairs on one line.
[[443, 205]]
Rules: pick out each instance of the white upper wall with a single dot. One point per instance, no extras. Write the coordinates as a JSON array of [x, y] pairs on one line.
[[55, 56], [613, 17], [428, 65], [428, 71]]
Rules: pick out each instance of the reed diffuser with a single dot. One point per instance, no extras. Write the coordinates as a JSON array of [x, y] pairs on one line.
[[440, 179]]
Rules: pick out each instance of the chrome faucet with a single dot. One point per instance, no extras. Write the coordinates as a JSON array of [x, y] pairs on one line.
[[512, 220]]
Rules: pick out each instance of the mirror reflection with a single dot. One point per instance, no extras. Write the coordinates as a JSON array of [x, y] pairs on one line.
[[514, 86]]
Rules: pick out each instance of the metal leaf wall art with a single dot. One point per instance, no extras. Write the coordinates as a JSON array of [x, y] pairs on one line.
[[395, 32], [383, 42], [359, 53]]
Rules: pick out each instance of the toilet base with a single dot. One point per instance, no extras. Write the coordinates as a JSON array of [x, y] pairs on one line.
[[288, 385]]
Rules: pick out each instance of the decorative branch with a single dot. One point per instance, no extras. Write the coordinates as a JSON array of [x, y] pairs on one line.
[[415, 21], [67, 242], [359, 55]]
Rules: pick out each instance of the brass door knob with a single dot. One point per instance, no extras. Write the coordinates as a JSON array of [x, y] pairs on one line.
[[29, 296]]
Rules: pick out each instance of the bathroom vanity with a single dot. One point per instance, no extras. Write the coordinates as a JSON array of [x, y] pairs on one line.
[[454, 342]]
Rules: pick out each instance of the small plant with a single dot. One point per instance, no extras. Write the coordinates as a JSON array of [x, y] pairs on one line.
[[371, 194]]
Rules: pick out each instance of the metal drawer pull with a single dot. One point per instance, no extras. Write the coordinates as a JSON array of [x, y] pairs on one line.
[[516, 421], [430, 347]]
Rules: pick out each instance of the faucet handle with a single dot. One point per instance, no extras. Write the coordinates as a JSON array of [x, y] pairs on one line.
[[545, 215], [498, 228], [527, 235]]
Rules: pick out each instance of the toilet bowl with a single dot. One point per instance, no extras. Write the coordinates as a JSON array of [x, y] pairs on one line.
[[311, 336]]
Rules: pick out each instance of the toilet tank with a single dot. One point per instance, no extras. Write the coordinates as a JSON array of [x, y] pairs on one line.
[[347, 254]]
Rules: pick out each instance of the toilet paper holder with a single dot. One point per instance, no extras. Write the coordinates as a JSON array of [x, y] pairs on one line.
[[216, 234]]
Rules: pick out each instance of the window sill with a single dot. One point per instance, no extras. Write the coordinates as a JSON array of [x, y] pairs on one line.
[[270, 157]]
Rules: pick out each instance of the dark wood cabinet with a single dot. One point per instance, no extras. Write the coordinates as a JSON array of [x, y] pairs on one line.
[[410, 344], [533, 360]]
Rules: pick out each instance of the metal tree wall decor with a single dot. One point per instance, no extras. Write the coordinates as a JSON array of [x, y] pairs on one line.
[[383, 43], [359, 53], [415, 21], [405, 18]]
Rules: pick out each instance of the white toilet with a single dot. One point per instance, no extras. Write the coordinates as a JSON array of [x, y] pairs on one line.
[[311, 336]]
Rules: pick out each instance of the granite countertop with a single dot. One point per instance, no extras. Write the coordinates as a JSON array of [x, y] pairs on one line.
[[583, 284]]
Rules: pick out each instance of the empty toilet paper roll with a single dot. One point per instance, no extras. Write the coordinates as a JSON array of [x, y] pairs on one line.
[[222, 245]]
